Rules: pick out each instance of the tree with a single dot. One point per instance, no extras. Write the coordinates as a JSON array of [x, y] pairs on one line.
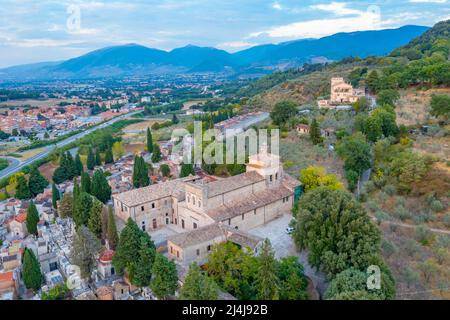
[[165, 279], [90, 163], [127, 251], [282, 112], [373, 81], [76, 188], [82, 209], [66, 205], [149, 141], [356, 153], [31, 271], [314, 177], [336, 230], [117, 149], [387, 119], [388, 96], [186, 170], [198, 286], [112, 236], [85, 250], [36, 182], [55, 196], [267, 282], [233, 269], [95, 218], [165, 170], [156, 155], [109, 158], [143, 270], [100, 187], [32, 218], [78, 165], [140, 173], [70, 166], [293, 282], [174, 119], [407, 167], [440, 106], [98, 158], [314, 132], [362, 105], [22, 189], [85, 182]]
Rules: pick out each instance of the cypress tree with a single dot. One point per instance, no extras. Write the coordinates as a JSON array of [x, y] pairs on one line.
[[95, 218], [82, 208], [78, 165], [32, 218], [55, 196], [164, 277], [66, 205], [112, 236], [90, 163], [186, 170], [149, 141], [127, 251], [143, 270], [100, 187], [314, 132], [76, 188], [109, 158], [156, 156], [267, 282], [98, 158], [36, 182], [31, 270], [174, 119], [85, 182], [198, 286], [22, 189], [71, 169], [140, 173]]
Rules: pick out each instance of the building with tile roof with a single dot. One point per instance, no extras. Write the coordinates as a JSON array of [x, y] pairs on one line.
[[202, 209]]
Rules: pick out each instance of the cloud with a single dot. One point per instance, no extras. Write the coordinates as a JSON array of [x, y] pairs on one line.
[[235, 45], [428, 1], [355, 20], [277, 6], [43, 42], [338, 8]]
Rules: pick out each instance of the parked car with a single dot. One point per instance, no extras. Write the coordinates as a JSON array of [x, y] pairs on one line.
[[289, 230]]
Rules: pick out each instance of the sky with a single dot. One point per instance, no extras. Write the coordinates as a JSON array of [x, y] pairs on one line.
[[54, 30]]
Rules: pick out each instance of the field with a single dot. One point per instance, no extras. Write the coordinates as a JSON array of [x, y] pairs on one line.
[[414, 105], [297, 153], [3, 164], [188, 104], [37, 103]]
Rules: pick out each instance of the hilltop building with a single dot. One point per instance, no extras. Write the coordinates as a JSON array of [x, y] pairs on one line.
[[210, 212]]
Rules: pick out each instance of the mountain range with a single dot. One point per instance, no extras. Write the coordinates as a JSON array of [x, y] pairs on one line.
[[135, 59]]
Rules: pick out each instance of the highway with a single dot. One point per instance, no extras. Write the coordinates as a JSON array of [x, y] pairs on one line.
[[17, 165]]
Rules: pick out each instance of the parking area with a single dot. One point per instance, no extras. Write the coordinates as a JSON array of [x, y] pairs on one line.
[[275, 230], [284, 246]]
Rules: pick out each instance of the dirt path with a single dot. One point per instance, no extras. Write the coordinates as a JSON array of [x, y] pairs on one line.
[[412, 226]]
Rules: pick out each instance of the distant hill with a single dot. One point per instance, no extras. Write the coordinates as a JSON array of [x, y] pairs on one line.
[[134, 59], [422, 61]]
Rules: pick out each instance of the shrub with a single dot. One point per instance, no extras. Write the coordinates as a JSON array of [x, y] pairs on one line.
[[372, 205], [390, 189], [437, 206], [424, 235], [402, 213], [423, 217], [411, 247], [446, 220], [369, 186], [381, 216], [383, 196], [388, 248]]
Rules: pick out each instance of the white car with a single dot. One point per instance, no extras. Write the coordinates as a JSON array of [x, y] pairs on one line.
[[289, 230]]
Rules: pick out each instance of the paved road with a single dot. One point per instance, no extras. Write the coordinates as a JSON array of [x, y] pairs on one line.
[[16, 166]]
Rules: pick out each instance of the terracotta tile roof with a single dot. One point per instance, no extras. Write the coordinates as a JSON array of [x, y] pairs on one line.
[[107, 256], [197, 236], [153, 192], [249, 203], [21, 217], [7, 276], [225, 185]]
